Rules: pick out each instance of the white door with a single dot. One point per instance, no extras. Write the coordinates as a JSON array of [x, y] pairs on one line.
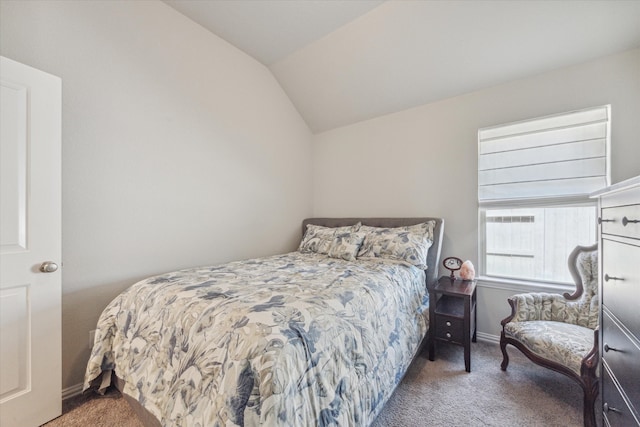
[[30, 236]]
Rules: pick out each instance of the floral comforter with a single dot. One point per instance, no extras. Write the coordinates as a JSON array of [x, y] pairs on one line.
[[290, 340]]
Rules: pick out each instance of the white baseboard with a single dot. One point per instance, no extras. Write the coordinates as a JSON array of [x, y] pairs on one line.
[[72, 391], [483, 336]]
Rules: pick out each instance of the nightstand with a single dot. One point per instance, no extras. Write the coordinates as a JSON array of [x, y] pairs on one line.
[[452, 315]]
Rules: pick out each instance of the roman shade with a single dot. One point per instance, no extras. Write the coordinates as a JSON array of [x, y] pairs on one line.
[[563, 156]]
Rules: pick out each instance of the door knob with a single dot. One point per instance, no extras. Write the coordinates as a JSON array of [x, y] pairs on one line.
[[48, 267]]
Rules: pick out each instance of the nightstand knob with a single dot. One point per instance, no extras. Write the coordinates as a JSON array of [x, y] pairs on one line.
[[448, 334], [447, 323]]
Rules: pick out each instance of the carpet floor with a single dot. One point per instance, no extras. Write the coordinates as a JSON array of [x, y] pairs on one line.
[[438, 393]]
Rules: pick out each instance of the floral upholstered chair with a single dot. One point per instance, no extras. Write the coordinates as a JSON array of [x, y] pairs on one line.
[[560, 332]]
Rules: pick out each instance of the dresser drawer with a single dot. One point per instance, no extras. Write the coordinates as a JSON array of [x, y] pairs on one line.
[[621, 282], [449, 328], [614, 409], [622, 356], [614, 222]]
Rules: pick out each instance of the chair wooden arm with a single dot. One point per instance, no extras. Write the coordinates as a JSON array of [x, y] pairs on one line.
[[590, 361]]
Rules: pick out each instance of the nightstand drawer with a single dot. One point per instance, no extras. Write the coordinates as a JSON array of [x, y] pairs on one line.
[[621, 282], [614, 222], [615, 410], [622, 356], [449, 328]]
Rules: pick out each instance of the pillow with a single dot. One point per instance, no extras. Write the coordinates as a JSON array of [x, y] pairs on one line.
[[409, 244], [346, 245], [318, 239]]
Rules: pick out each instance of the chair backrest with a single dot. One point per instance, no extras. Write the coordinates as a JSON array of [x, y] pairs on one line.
[[582, 305]]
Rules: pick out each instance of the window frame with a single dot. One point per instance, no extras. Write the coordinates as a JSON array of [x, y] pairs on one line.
[[573, 199], [540, 203]]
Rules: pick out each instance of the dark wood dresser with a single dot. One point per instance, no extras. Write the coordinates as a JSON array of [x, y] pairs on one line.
[[619, 219]]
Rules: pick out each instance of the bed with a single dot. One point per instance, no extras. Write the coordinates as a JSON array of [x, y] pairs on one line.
[[319, 336]]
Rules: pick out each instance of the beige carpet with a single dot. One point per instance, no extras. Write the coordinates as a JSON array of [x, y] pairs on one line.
[[438, 393]]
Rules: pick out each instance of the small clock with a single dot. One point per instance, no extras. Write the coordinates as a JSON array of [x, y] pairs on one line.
[[452, 264]]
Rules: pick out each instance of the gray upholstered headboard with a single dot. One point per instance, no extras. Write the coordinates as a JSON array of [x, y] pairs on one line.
[[433, 258]]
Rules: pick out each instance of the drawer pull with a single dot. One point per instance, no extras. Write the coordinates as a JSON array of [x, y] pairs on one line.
[[626, 221], [607, 349], [600, 220], [607, 278], [608, 408], [447, 323], [448, 334]]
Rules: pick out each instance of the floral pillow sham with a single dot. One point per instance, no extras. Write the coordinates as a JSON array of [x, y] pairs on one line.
[[335, 242], [346, 245], [409, 244]]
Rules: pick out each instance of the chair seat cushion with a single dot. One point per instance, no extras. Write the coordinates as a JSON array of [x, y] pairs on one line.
[[563, 343]]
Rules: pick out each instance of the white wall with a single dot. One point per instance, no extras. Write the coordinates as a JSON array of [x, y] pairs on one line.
[[178, 149], [423, 161]]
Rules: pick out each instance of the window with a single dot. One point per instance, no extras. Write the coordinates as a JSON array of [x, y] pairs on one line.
[[534, 181]]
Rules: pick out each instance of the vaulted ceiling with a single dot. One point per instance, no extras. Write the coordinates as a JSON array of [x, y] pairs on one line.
[[343, 61]]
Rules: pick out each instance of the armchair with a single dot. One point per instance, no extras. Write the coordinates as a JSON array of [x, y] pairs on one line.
[[560, 332]]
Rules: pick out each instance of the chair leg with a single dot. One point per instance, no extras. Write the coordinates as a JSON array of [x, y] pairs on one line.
[[588, 412], [505, 356]]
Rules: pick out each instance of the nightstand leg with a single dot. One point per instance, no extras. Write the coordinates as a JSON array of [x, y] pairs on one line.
[[431, 346], [467, 333], [475, 329], [467, 356], [432, 325], [475, 324]]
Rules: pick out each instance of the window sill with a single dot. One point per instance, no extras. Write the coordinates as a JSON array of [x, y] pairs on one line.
[[522, 286]]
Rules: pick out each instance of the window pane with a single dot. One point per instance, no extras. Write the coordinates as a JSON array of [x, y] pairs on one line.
[[534, 243]]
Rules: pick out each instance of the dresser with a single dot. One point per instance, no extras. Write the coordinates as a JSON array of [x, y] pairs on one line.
[[619, 219]]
